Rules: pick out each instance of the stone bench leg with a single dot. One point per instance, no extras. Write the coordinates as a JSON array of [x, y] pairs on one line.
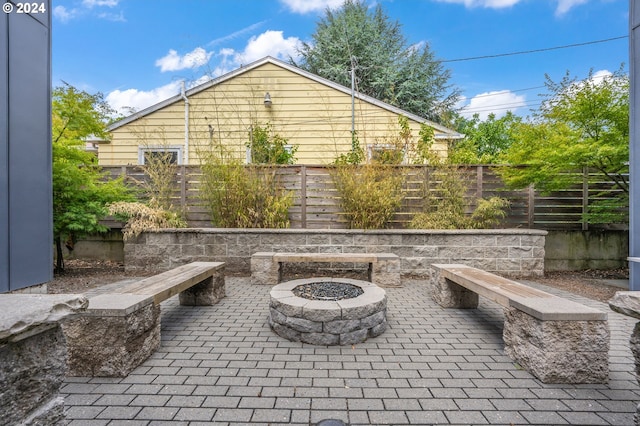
[[31, 373], [558, 351], [206, 293], [111, 346], [448, 294], [386, 272], [264, 271]]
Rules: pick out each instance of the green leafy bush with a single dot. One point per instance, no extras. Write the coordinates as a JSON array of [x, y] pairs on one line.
[[268, 147], [445, 207], [370, 194], [239, 196]]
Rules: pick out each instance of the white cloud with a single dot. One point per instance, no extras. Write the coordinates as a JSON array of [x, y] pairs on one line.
[[122, 100], [307, 6], [99, 3], [64, 14], [269, 43], [113, 17], [86, 8], [492, 4], [497, 102], [125, 101], [565, 5], [174, 62]]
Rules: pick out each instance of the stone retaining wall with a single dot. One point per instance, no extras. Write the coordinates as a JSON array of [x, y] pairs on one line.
[[510, 252]]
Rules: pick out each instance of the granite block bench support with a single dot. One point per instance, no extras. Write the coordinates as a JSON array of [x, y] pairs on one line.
[[384, 268], [121, 328], [557, 340], [33, 356]]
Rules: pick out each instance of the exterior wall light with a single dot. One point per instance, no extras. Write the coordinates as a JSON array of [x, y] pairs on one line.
[[267, 100]]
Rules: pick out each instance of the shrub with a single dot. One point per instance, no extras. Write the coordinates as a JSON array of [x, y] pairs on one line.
[[369, 194], [268, 147], [239, 196], [445, 207], [140, 218]]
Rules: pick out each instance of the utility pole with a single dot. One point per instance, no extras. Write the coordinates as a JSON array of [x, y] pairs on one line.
[[353, 105]]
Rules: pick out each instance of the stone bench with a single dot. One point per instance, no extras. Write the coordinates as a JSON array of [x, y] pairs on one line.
[[33, 356], [384, 268], [557, 340], [121, 327]]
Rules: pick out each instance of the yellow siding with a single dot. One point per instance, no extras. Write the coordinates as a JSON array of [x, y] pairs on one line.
[[309, 114]]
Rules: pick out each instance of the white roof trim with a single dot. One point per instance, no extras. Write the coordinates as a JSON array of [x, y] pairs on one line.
[[445, 132]]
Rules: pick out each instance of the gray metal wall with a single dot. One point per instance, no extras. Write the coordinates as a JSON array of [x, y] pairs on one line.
[[634, 147], [26, 253]]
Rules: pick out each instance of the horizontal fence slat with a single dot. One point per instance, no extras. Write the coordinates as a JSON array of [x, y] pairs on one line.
[[320, 199]]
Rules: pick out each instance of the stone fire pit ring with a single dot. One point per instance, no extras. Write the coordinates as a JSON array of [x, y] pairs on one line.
[[328, 322]]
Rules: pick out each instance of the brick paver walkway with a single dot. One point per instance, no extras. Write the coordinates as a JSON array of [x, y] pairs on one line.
[[223, 365]]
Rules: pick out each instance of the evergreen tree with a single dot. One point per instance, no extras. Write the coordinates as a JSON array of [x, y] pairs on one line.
[[386, 67]]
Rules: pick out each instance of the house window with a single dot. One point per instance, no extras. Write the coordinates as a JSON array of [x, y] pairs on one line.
[[249, 156], [386, 154], [173, 154]]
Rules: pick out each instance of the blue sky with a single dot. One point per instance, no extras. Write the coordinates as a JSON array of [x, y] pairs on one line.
[[137, 52]]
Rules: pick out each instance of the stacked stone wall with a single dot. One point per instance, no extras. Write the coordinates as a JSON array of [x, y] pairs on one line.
[[509, 252]]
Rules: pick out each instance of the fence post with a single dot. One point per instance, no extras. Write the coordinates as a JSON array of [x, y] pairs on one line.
[[531, 214], [183, 188], [585, 197], [479, 181], [303, 196]]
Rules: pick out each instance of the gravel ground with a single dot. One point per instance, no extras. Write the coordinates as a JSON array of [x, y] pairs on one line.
[[82, 275]]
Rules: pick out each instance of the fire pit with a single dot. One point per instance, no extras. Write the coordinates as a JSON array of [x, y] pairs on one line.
[[328, 311]]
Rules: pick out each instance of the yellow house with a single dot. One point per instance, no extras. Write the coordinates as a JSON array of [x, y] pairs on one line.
[[310, 112]]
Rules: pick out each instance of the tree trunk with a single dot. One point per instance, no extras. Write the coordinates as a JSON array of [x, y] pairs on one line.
[[59, 259]]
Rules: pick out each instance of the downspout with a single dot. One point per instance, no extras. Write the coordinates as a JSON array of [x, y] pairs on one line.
[[185, 157]]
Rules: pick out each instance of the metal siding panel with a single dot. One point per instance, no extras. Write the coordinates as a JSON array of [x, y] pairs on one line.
[[4, 154], [634, 145], [30, 198]]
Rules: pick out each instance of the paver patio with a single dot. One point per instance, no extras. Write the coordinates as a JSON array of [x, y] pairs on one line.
[[223, 365]]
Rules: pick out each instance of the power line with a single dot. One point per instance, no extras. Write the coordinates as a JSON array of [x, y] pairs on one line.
[[525, 52]]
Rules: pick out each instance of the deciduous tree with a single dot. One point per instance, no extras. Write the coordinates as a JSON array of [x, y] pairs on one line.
[[580, 124], [80, 194]]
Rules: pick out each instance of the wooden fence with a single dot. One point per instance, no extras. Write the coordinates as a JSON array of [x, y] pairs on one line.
[[317, 202]]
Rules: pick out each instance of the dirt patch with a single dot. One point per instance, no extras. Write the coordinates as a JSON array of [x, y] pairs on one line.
[[82, 275], [587, 283]]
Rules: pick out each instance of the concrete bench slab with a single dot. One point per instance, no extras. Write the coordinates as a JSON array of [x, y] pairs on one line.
[[120, 329], [557, 340], [383, 268]]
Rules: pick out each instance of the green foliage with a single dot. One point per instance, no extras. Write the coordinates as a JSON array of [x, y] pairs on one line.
[[445, 206], [581, 124], [370, 194], [484, 141], [140, 218], [387, 67], [81, 191], [239, 196], [268, 147], [355, 156]]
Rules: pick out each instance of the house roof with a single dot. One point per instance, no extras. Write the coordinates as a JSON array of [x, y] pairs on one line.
[[445, 133]]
